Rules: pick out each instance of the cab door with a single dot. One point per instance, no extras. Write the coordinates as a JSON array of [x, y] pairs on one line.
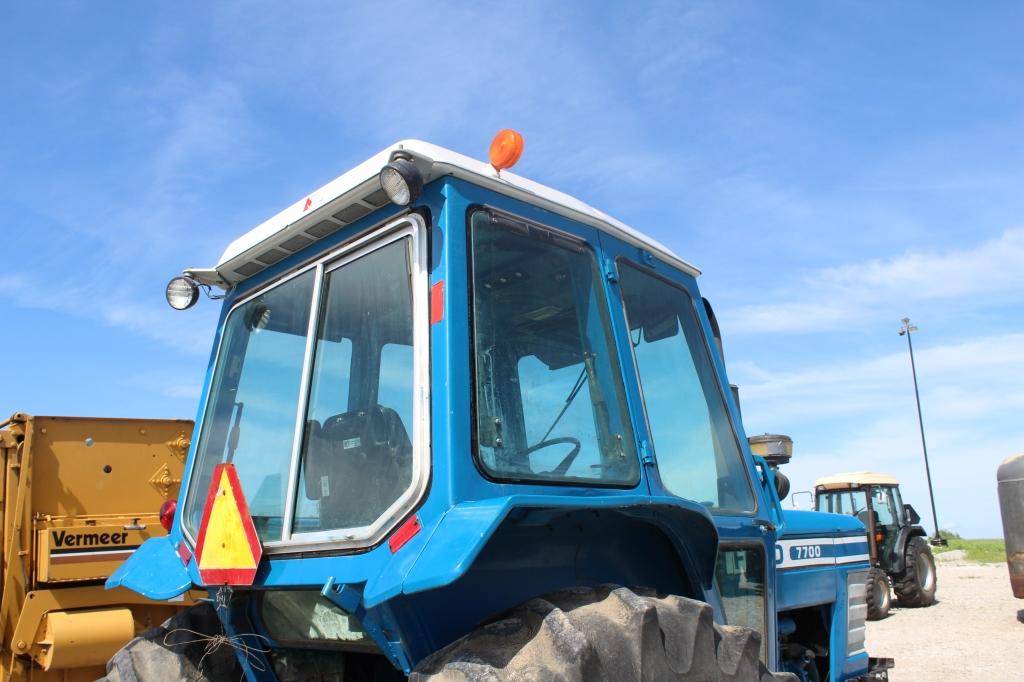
[[689, 427], [887, 523]]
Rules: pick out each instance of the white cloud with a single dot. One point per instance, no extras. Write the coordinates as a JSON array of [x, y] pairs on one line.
[[543, 74], [189, 332], [955, 376], [166, 382], [842, 297], [861, 415], [112, 238]]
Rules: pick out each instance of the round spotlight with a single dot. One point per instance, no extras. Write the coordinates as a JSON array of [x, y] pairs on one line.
[[402, 181], [182, 293]]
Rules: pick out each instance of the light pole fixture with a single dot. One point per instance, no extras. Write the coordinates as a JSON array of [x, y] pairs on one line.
[[906, 330]]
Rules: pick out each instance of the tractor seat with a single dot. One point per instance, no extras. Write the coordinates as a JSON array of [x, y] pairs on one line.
[[357, 464], [866, 520]]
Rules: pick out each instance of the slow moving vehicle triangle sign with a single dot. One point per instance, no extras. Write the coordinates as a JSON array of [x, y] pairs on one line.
[[228, 550]]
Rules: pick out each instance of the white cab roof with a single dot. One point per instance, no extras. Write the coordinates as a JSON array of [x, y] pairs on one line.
[[854, 479], [355, 194]]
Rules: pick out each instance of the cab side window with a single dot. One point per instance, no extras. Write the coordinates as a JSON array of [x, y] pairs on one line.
[[357, 449], [698, 454], [740, 576], [883, 506]]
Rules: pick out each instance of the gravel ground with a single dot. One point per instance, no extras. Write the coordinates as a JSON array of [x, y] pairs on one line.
[[972, 633]]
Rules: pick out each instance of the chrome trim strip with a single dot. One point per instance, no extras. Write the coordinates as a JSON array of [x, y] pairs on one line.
[[300, 415]]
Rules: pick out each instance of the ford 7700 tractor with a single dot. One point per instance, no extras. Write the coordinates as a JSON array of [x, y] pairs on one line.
[[458, 425]]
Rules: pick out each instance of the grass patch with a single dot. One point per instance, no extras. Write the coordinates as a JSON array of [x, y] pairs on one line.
[[982, 551]]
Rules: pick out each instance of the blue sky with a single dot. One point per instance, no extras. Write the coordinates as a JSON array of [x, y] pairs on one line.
[[831, 167]]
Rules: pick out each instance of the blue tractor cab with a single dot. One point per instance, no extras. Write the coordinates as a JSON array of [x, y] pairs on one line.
[[481, 431]]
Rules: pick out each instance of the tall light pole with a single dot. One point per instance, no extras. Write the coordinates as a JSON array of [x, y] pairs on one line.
[[906, 330]]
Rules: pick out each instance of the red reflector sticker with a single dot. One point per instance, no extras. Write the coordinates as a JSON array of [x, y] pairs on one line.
[[309, 202], [404, 533], [228, 550], [437, 302], [184, 552]]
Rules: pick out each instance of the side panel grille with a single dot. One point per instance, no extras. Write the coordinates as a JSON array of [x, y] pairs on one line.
[[856, 612]]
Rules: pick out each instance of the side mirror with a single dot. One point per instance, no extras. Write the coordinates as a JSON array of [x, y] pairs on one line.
[[810, 499], [912, 516]]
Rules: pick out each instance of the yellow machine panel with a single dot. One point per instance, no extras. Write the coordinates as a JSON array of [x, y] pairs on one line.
[[76, 639], [88, 552], [78, 496], [97, 467]]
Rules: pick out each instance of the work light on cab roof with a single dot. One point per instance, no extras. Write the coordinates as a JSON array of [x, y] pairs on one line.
[[401, 180], [182, 293]]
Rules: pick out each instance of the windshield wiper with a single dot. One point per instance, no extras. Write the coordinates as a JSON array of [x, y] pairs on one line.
[[580, 380]]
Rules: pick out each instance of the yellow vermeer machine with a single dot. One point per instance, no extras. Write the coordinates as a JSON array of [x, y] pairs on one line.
[[78, 496]]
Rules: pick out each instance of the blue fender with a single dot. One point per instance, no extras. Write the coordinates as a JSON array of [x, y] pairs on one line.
[[154, 570], [447, 549], [464, 530]]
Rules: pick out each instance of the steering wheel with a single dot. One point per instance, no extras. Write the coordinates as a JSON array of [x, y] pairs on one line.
[[566, 462]]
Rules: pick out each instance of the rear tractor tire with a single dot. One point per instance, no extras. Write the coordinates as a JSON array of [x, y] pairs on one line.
[[176, 650], [603, 634], [915, 587], [878, 597]]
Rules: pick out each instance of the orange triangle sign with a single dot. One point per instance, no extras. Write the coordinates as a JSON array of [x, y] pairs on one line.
[[228, 550]]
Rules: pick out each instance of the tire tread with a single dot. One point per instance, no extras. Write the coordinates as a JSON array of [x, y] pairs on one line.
[[906, 586], [605, 633]]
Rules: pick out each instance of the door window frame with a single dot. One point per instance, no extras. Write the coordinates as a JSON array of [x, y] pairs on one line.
[[411, 226], [591, 246], [744, 464]]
